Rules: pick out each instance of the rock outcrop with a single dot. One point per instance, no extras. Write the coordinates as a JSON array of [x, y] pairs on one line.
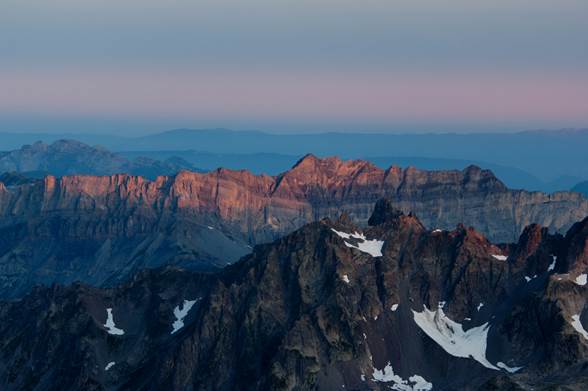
[[330, 306]]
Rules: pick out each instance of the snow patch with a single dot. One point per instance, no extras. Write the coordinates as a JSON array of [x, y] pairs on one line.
[[394, 307], [527, 278], [109, 365], [508, 369], [180, 314], [582, 279], [414, 383], [552, 264], [371, 247], [345, 278], [345, 235], [436, 231], [577, 325], [112, 329], [451, 336], [500, 257], [480, 306]]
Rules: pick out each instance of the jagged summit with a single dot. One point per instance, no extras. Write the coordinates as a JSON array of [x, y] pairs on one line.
[[328, 171], [384, 211], [329, 306]]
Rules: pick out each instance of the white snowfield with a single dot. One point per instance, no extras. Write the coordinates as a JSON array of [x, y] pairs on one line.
[[552, 264], [577, 325], [110, 326], [582, 279], [371, 247], [414, 383], [109, 365], [181, 313], [502, 365], [394, 307], [500, 257], [451, 336]]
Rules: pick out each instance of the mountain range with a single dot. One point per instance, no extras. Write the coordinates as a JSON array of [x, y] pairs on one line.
[[71, 157], [535, 160], [65, 157], [104, 229], [332, 305]]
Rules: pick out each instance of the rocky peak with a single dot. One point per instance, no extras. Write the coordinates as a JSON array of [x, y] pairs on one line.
[[577, 247], [476, 177], [530, 240], [386, 214], [307, 161], [311, 169]]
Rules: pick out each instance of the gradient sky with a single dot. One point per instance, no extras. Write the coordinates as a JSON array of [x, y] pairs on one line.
[[420, 65]]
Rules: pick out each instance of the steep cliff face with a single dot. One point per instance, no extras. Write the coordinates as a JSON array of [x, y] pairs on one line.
[[330, 306], [264, 207], [101, 229]]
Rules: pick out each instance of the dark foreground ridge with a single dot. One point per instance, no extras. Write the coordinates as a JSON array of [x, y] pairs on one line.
[[330, 306]]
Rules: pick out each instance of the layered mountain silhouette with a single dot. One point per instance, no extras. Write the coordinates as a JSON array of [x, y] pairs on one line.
[[535, 160], [392, 305], [66, 157], [103, 229]]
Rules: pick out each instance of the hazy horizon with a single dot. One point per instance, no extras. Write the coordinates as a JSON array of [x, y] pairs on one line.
[[431, 66], [139, 132]]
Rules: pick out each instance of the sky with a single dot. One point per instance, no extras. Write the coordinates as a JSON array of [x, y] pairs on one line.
[[136, 66]]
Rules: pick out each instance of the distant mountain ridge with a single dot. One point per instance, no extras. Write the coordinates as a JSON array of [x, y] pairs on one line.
[[102, 229], [581, 187], [71, 157], [67, 157], [275, 164], [556, 158]]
